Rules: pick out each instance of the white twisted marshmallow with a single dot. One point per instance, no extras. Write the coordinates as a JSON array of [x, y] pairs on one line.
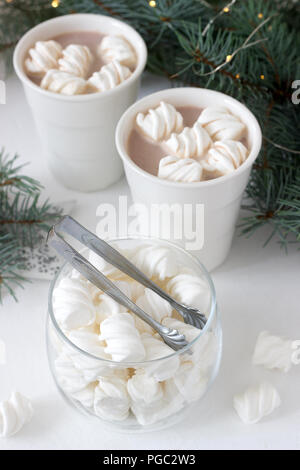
[[91, 368], [157, 307], [76, 60], [122, 338], [72, 304], [111, 399], [150, 413], [204, 350], [221, 124], [63, 83], [190, 290], [273, 352], [107, 269], [157, 349], [144, 389], [43, 57], [14, 413], [69, 377], [159, 123], [190, 381], [155, 261], [184, 170], [256, 402], [225, 157], [192, 142], [117, 48], [108, 306], [109, 76], [86, 396]]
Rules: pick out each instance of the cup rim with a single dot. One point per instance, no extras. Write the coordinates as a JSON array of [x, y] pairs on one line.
[[158, 96], [19, 69], [212, 313]]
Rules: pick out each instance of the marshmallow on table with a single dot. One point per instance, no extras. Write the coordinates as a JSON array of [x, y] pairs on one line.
[[63, 82], [185, 170], [43, 57], [192, 142], [14, 414], [159, 123], [190, 290], [256, 402], [221, 124], [273, 352], [117, 48], [72, 304], [155, 261], [112, 401], [109, 76], [123, 341], [157, 349], [76, 60], [225, 156]]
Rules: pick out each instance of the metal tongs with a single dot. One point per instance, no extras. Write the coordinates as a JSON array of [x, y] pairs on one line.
[[71, 227]]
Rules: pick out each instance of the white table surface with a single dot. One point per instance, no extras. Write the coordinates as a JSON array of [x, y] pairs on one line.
[[257, 289]]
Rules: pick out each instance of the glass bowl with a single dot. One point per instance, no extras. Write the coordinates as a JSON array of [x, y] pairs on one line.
[[176, 382]]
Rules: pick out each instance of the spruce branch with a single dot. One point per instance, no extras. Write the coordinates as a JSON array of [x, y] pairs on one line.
[[23, 218]]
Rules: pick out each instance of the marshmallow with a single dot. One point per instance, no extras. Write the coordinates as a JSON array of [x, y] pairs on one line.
[[117, 48], [273, 352], [190, 290], [72, 304], [192, 142], [144, 389], [63, 83], [111, 399], [190, 381], [76, 60], [155, 261], [159, 123], [86, 396], [43, 57], [184, 170], [109, 76], [256, 402], [157, 307], [122, 338], [224, 157], [14, 414], [221, 124], [156, 349]]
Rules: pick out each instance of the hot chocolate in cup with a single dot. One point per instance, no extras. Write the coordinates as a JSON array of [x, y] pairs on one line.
[[209, 209], [77, 132]]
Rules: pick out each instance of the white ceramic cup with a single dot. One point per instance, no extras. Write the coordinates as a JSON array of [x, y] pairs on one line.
[[220, 197], [77, 132]]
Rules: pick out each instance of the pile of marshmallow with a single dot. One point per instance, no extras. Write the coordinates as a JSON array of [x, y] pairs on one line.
[[66, 70], [209, 149], [137, 376], [273, 353]]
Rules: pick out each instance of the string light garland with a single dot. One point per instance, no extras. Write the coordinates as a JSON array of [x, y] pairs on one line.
[[152, 3], [226, 9], [55, 3], [245, 45]]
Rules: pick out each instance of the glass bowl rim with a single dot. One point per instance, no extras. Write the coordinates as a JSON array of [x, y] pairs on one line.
[[122, 364]]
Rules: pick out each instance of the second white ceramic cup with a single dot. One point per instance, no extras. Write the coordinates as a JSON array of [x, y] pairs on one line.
[[77, 132], [220, 197]]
